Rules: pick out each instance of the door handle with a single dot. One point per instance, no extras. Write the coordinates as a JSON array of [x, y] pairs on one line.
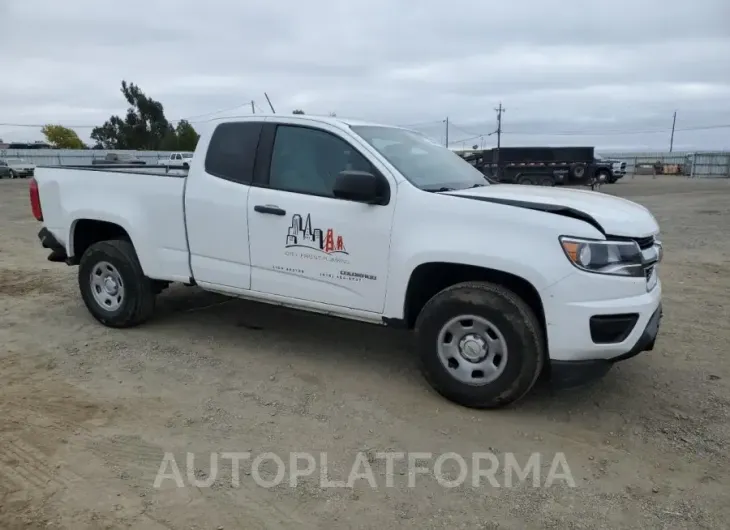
[[273, 210]]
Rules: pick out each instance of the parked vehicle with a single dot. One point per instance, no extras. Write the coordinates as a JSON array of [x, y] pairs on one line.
[[373, 223], [176, 160], [617, 168], [118, 158], [4, 169], [16, 168], [544, 166]]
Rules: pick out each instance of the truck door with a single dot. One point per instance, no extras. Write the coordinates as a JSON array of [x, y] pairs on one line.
[[216, 197], [305, 243]]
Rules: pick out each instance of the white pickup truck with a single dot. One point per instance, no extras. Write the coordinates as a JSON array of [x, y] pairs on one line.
[[176, 160], [499, 282]]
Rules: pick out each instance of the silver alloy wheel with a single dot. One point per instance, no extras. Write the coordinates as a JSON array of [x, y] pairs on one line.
[[107, 286], [472, 350]]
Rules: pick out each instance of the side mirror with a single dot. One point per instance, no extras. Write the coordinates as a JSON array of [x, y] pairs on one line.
[[359, 186]]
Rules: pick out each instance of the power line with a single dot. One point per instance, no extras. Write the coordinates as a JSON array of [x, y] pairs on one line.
[[598, 133], [459, 128], [473, 135], [227, 109], [414, 125], [189, 118]]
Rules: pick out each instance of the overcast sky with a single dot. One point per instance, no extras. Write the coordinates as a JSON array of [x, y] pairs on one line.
[[608, 73]]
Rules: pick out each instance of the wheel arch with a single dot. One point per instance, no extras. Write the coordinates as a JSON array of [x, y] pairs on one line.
[[430, 278]]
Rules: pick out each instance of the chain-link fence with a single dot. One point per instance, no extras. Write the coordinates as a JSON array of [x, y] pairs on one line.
[[75, 157], [687, 164]]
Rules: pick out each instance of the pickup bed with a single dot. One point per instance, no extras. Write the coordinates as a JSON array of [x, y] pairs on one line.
[[498, 282]]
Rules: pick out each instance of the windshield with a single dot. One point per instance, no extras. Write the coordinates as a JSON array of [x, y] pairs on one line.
[[426, 164]]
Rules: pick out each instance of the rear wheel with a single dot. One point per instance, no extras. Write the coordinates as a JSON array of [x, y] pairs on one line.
[[480, 345], [526, 180], [113, 286], [547, 181], [578, 171], [13, 175]]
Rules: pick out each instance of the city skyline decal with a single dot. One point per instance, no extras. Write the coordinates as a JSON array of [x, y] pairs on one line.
[[301, 234]]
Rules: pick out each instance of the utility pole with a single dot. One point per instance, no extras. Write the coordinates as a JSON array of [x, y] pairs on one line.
[[499, 110], [253, 107], [671, 138], [447, 132], [270, 105]]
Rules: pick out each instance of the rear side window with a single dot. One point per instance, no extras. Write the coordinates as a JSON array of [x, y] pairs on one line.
[[232, 151]]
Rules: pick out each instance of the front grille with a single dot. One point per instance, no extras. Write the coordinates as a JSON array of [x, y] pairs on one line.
[[644, 242]]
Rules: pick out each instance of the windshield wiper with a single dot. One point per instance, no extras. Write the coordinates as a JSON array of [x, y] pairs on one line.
[[437, 190], [444, 188]]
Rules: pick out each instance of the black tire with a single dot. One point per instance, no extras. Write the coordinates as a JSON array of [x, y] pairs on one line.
[[516, 322], [578, 171], [138, 302], [526, 180], [547, 181], [606, 175], [13, 175]]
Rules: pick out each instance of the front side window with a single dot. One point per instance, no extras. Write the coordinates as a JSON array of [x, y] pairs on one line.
[[306, 160], [424, 163]]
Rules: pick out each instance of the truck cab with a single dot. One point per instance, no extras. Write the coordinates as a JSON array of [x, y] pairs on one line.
[[498, 283]]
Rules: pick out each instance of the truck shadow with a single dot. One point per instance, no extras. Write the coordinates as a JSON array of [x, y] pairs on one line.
[[282, 331], [363, 347]]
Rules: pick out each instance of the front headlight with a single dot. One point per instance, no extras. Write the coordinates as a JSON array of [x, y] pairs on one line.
[[618, 258]]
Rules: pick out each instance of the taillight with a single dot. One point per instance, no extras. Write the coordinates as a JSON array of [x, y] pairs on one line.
[[35, 200]]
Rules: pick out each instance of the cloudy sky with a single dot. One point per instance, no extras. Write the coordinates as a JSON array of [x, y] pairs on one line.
[[608, 73]]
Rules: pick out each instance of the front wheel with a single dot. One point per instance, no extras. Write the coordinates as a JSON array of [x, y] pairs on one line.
[[113, 286], [480, 345], [13, 175]]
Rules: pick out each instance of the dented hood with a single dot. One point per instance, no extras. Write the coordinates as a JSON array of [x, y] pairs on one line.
[[613, 215]]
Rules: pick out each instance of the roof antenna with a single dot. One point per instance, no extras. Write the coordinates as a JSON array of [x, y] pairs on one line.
[[270, 105]]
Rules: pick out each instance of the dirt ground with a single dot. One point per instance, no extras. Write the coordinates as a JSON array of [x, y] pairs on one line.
[[87, 413]]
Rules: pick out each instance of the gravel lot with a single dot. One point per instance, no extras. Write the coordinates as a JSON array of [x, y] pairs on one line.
[[87, 413]]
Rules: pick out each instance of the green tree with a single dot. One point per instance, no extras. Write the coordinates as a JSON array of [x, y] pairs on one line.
[[62, 137], [187, 138], [298, 111], [145, 126]]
